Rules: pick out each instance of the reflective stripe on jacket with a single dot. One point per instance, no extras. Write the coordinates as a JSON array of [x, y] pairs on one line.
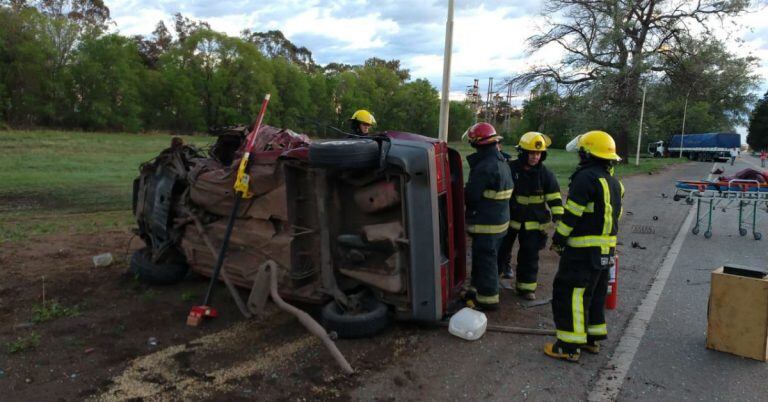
[[487, 192], [592, 210], [536, 197]]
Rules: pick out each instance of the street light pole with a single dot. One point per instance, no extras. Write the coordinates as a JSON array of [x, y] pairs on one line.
[[640, 130], [682, 132], [445, 101]]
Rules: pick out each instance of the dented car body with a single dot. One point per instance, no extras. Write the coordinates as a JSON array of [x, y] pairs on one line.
[[382, 216]]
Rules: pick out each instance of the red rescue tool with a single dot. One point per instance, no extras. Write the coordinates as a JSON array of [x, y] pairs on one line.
[[198, 313]]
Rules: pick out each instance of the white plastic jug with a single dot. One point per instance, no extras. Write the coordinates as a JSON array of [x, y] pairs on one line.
[[468, 324]]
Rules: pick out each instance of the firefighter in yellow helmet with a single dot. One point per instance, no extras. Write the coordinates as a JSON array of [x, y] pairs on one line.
[[361, 122], [586, 240], [534, 204]]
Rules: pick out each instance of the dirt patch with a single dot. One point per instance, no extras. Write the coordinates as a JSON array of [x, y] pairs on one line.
[[102, 351]]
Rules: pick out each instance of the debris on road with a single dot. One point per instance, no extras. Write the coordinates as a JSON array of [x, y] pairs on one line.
[[468, 324], [102, 260], [536, 303], [637, 245], [655, 218]]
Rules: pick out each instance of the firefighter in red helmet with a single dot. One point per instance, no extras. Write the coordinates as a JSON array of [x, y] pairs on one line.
[[487, 196]]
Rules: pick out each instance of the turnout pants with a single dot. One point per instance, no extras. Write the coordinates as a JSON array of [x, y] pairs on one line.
[[485, 278], [531, 241], [578, 298]]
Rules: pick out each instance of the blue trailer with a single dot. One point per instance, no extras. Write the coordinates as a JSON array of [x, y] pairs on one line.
[[699, 147]]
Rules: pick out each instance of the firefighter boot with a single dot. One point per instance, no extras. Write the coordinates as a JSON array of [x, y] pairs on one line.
[[562, 351], [469, 296], [592, 346]]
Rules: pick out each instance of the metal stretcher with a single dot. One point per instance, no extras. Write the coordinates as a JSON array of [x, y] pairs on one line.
[[747, 193]]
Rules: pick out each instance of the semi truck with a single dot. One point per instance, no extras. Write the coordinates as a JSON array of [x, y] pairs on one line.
[[698, 147]]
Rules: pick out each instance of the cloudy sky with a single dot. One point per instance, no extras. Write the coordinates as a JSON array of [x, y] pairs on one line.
[[489, 35]]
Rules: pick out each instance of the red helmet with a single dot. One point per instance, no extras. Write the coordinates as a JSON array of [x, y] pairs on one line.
[[482, 134]]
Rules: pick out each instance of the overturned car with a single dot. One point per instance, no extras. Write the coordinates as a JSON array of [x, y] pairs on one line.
[[372, 228]]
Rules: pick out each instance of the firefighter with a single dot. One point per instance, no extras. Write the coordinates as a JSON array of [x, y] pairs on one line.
[[487, 196], [361, 122], [585, 239], [535, 202]]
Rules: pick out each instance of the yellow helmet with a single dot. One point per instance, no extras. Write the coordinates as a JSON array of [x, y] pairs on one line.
[[363, 116], [598, 144], [533, 141]]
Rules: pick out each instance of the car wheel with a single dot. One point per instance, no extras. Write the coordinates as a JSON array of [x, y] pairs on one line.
[[372, 320], [168, 270], [349, 154]]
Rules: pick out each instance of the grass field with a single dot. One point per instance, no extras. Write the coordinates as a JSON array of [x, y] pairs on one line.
[[52, 182]]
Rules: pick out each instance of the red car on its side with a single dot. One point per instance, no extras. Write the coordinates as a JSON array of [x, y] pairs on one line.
[[372, 228]]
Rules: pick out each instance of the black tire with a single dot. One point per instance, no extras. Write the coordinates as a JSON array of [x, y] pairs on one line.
[[169, 270], [345, 154], [370, 322]]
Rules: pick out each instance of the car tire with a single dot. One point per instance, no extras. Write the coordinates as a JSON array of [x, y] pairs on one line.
[[345, 154], [168, 270], [370, 322]]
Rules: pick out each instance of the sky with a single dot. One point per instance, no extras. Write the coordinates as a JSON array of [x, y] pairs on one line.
[[489, 37]]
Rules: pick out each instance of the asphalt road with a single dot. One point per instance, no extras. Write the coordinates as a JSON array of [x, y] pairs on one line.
[[503, 366], [672, 362]]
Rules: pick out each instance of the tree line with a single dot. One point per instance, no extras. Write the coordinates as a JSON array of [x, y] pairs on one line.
[[61, 68]]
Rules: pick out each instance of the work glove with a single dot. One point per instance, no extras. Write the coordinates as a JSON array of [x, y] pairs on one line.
[[557, 248]]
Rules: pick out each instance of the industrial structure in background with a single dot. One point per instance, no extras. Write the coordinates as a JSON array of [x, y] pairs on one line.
[[496, 108]]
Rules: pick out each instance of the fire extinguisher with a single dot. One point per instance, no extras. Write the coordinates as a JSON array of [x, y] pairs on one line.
[[613, 284]]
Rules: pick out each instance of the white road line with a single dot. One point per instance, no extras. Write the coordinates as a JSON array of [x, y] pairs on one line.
[[612, 376]]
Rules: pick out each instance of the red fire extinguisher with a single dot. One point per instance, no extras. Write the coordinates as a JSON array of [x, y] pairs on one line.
[[613, 284]]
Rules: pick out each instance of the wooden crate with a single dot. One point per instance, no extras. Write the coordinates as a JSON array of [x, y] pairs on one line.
[[737, 320]]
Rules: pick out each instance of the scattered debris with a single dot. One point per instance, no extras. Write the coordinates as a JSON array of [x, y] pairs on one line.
[[28, 380], [536, 303], [637, 245], [102, 260], [88, 350], [655, 218], [718, 171], [664, 195], [152, 342], [629, 212], [650, 173]]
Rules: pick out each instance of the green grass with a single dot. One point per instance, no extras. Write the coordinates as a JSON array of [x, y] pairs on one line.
[[563, 163], [22, 344], [51, 311], [52, 181], [74, 182]]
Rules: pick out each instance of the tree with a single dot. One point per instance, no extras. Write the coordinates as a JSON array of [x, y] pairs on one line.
[[274, 44], [757, 136], [614, 42], [110, 101]]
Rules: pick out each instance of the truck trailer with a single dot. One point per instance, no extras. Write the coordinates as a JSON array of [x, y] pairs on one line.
[[698, 147]]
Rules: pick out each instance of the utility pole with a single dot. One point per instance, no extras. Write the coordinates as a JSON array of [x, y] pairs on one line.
[[489, 96], [445, 100], [640, 131], [682, 131]]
